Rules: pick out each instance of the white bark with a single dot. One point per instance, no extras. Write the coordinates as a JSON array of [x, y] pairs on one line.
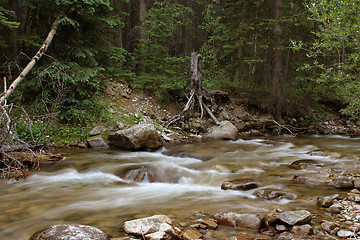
[[31, 64]]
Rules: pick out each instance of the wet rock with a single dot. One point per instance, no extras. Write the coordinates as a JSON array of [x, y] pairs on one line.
[[303, 230], [178, 232], [357, 183], [97, 130], [342, 183], [144, 226], [243, 220], [226, 130], [240, 184], [298, 217], [353, 197], [300, 179], [305, 163], [167, 228], [335, 208], [191, 234], [327, 201], [280, 228], [328, 226], [286, 236], [158, 236], [140, 175], [70, 231], [136, 137], [345, 234], [210, 224], [270, 194], [97, 142]]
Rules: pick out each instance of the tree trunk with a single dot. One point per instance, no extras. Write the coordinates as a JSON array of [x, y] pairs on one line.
[[32, 63], [276, 79], [196, 92]]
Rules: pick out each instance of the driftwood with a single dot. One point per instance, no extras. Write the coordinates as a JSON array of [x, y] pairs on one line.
[[197, 92]]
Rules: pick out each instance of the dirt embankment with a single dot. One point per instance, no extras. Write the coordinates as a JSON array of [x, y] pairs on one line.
[[249, 119]]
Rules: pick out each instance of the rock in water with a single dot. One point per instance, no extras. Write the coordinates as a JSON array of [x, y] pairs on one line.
[[226, 130], [296, 217], [327, 201], [146, 225], [270, 194], [304, 163], [67, 232], [158, 236], [136, 137], [243, 220], [303, 230], [241, 184], [191, 234], [342, 183]]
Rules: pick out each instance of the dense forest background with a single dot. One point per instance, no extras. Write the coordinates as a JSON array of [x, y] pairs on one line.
[[281, 56]]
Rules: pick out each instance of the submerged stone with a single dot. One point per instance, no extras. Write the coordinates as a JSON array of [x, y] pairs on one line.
[[304, 163], [191, 234], [270, 194], [240, 184]]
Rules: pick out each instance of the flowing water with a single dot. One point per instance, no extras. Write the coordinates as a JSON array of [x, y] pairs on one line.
[[89, 187]]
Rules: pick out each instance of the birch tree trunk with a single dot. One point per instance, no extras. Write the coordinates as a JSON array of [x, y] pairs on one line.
[[32, 63]]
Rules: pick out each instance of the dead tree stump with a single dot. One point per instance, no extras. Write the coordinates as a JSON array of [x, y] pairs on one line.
[[196, 92]]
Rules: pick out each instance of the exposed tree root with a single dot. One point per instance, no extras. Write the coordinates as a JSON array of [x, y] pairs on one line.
[[196, 93]]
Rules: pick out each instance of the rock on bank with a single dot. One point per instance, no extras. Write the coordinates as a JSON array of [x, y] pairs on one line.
[[136, 137]]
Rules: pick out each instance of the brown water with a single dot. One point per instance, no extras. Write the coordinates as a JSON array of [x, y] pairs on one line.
[[85, 189]]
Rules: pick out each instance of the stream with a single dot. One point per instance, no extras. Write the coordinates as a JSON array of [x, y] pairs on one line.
[[88, 186]]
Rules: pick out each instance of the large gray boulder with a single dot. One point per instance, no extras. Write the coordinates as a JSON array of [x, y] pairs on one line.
[[225, 130], [136, 137], [70, 231]]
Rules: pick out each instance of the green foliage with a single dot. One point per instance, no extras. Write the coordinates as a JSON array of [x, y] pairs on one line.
[[4, 18], [49, 132], [335, 52], [133, 118], [234, 55], [160, 64], [66, 84]]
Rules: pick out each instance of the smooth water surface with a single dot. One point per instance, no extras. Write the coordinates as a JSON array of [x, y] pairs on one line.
[[86, 187]]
